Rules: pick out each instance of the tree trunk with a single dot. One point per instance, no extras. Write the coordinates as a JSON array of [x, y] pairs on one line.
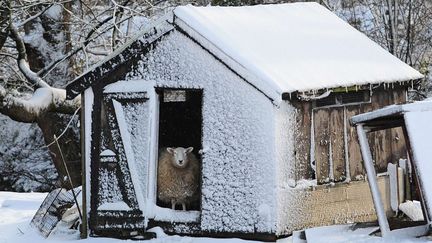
[[54, 124]]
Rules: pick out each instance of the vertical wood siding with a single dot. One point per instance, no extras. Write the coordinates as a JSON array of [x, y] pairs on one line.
[[333, 155]]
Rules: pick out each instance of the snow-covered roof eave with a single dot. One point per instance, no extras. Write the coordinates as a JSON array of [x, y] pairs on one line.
[[78, 85]]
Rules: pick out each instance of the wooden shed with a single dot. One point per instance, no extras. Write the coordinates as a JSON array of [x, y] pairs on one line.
[[264, 94]]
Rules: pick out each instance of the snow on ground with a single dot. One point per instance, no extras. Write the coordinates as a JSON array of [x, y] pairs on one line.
[[345, 234], [17, 209]]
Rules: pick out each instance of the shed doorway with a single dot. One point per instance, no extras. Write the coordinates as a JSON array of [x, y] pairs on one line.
[[180, 125]]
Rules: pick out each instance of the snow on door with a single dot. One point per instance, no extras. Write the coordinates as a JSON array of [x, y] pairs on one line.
[[127, 157]]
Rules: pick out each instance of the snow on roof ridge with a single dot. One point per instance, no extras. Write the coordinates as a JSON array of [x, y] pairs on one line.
[[348, 57]]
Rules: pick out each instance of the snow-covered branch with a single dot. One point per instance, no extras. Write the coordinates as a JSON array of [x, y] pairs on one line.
[[43, 100], [23, 64]]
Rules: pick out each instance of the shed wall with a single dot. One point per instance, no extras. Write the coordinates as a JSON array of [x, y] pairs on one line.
[[306, 207], [301, 203], [321, 135], [238, 135]]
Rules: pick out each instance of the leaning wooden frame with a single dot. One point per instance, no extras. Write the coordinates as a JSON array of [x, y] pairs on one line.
[[413, 119]]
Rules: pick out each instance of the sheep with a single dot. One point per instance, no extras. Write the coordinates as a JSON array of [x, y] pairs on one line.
[[178, 176]]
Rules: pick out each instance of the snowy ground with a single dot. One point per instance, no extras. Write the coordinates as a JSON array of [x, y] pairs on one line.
[[17, 209]]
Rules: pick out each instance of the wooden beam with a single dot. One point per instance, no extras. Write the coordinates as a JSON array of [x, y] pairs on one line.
[[370, 170]]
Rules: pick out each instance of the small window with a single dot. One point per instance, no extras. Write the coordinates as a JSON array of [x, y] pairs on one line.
[[344, 98]]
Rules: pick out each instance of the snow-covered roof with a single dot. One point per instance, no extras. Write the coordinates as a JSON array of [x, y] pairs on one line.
[[296, 46]]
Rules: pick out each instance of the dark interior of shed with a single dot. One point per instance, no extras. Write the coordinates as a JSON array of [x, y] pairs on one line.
[[180, 125]]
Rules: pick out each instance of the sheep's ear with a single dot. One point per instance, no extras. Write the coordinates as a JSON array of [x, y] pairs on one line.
[[188, 150], [170, 150]]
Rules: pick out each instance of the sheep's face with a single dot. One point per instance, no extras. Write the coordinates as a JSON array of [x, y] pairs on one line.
[[180, 156]]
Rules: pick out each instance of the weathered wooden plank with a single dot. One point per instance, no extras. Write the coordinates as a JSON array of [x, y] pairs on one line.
[[83, 132], [337, 141], [381, 147], [94, 154], [303, 141], [354, 155], [397, 138], [322, 139], [123, 174]]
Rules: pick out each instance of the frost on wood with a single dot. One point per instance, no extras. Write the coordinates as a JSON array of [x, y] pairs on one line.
[[285, 157], [109, 190], [88, 109], [138, 126], [238, 167]]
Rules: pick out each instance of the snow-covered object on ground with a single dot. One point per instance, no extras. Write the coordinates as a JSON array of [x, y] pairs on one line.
[[412, 209], [394, 200], [416, 117], [295, 47]]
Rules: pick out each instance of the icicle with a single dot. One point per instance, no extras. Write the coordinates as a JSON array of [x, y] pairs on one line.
[[289, 95], [392, 85], [346, 89], [356, 88], [412, 84], [347, 165]]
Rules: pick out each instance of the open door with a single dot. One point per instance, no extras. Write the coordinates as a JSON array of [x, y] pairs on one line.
[[127, 155]]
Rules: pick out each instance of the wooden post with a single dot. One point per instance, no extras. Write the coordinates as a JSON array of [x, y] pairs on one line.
[[371, 174], [84, 226]]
